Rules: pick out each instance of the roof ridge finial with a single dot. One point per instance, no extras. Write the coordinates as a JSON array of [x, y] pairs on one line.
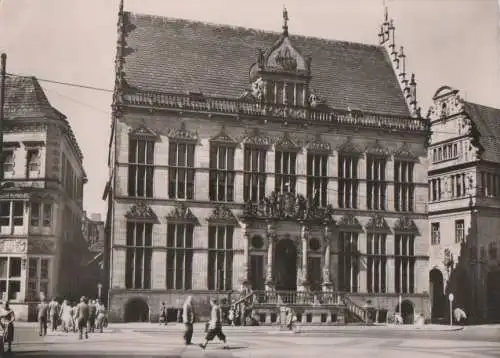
[[386, 13], [285, 21]]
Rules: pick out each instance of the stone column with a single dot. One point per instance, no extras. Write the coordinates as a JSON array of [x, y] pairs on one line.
[[327, 282], [246, 255], [304, 235], [271, 236]]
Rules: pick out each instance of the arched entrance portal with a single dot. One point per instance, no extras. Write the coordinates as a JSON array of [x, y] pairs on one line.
[[407, 312], [136, 310], [493, 294], [285, 258], [437, 294]]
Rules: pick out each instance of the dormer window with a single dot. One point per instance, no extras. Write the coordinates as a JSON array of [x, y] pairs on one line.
[[289, 93]]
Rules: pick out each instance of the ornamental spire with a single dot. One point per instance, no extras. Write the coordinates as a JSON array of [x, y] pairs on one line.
[[285, 21]]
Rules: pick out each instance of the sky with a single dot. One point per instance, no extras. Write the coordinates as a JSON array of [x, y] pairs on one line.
[[447, 42]]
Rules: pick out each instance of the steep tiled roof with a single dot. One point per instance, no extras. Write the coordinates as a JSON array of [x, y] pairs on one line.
[[24, 97], [173, 55], [487, 121]]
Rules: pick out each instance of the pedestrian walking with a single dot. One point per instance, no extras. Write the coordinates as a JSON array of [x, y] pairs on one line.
[[8, 317], [188, 319], [54, 314], [43, 316], [214, 325], [66, 316], [92, 316], [82, 317], [163, 314], [102, 317], [231, 316]]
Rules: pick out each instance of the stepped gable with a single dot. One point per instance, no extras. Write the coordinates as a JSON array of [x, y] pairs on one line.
[[180, 56]]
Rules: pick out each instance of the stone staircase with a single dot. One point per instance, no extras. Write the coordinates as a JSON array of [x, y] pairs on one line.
[[310, 308]]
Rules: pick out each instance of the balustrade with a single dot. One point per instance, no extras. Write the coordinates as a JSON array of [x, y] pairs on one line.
[[278, 298], [284, 112]]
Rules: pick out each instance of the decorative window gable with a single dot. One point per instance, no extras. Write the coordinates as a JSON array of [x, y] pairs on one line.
[[141, 212], [405, 153], [181, 214], [406, 225], [377, 224], [349, 148], [183, 134], [223, 138], [349, 222], [256, 139], [376, 149], [286, 144], [221, 214], [318, 146], [143, 133]]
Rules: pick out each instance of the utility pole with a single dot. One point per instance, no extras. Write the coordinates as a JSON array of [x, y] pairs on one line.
[[2, 100]]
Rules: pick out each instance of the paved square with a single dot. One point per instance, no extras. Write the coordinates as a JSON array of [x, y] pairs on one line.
[[153, 340]]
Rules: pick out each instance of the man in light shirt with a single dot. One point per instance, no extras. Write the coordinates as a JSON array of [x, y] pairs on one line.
[[214, 325]]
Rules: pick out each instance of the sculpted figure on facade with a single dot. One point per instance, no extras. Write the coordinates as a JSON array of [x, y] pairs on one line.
[[288, 206], [258, 89]]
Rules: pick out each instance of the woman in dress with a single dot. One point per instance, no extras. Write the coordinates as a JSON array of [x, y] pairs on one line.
[[66, 316], [8, 318]]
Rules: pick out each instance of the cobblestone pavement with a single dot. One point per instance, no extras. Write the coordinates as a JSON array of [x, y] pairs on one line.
[[167, 342]]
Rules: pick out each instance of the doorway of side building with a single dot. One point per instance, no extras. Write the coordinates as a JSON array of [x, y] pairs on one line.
[[493, 295], [438, 308], [285, 265], [407, 311], [136, 310]]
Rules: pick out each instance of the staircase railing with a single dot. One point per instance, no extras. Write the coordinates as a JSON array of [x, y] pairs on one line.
[[296, 298], [354, 308]]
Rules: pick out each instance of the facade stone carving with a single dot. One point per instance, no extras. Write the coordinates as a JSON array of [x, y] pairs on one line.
[[405, 153], [448, 260], [181, 213], [286, 143], [141, 211], [405, 224], [317, 145], [223, 137], [349, 222], [222, 214], [41, 246], [143, 132], [377, 149], [13, 246], [447, 103], [255, 137], [183, 133], [377, 223], [287, 206], [349, 148]]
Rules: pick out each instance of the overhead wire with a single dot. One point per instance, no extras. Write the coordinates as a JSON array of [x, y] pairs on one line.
[[106, 90]]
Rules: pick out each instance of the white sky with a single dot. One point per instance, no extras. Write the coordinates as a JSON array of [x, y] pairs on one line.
[[452, 42]]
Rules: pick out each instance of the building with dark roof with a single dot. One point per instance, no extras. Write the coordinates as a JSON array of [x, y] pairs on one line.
[[464, 206], [40, 200], [241, 159]]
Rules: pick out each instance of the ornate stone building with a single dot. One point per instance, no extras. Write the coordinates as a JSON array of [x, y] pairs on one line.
[[464, 206], [290, 164], [40, 198]]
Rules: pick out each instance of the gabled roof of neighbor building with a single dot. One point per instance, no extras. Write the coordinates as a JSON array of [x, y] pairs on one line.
[[24, 97], [487, 121], [179, 56]]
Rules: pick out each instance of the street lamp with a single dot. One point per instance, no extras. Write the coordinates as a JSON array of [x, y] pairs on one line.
[[99, 290]]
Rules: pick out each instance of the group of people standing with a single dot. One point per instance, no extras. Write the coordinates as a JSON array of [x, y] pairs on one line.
[[85, 317]]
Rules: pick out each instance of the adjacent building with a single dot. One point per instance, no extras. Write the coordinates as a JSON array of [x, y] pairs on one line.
[[93, 276], [464, 206], [291, 165], [40, 199]]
